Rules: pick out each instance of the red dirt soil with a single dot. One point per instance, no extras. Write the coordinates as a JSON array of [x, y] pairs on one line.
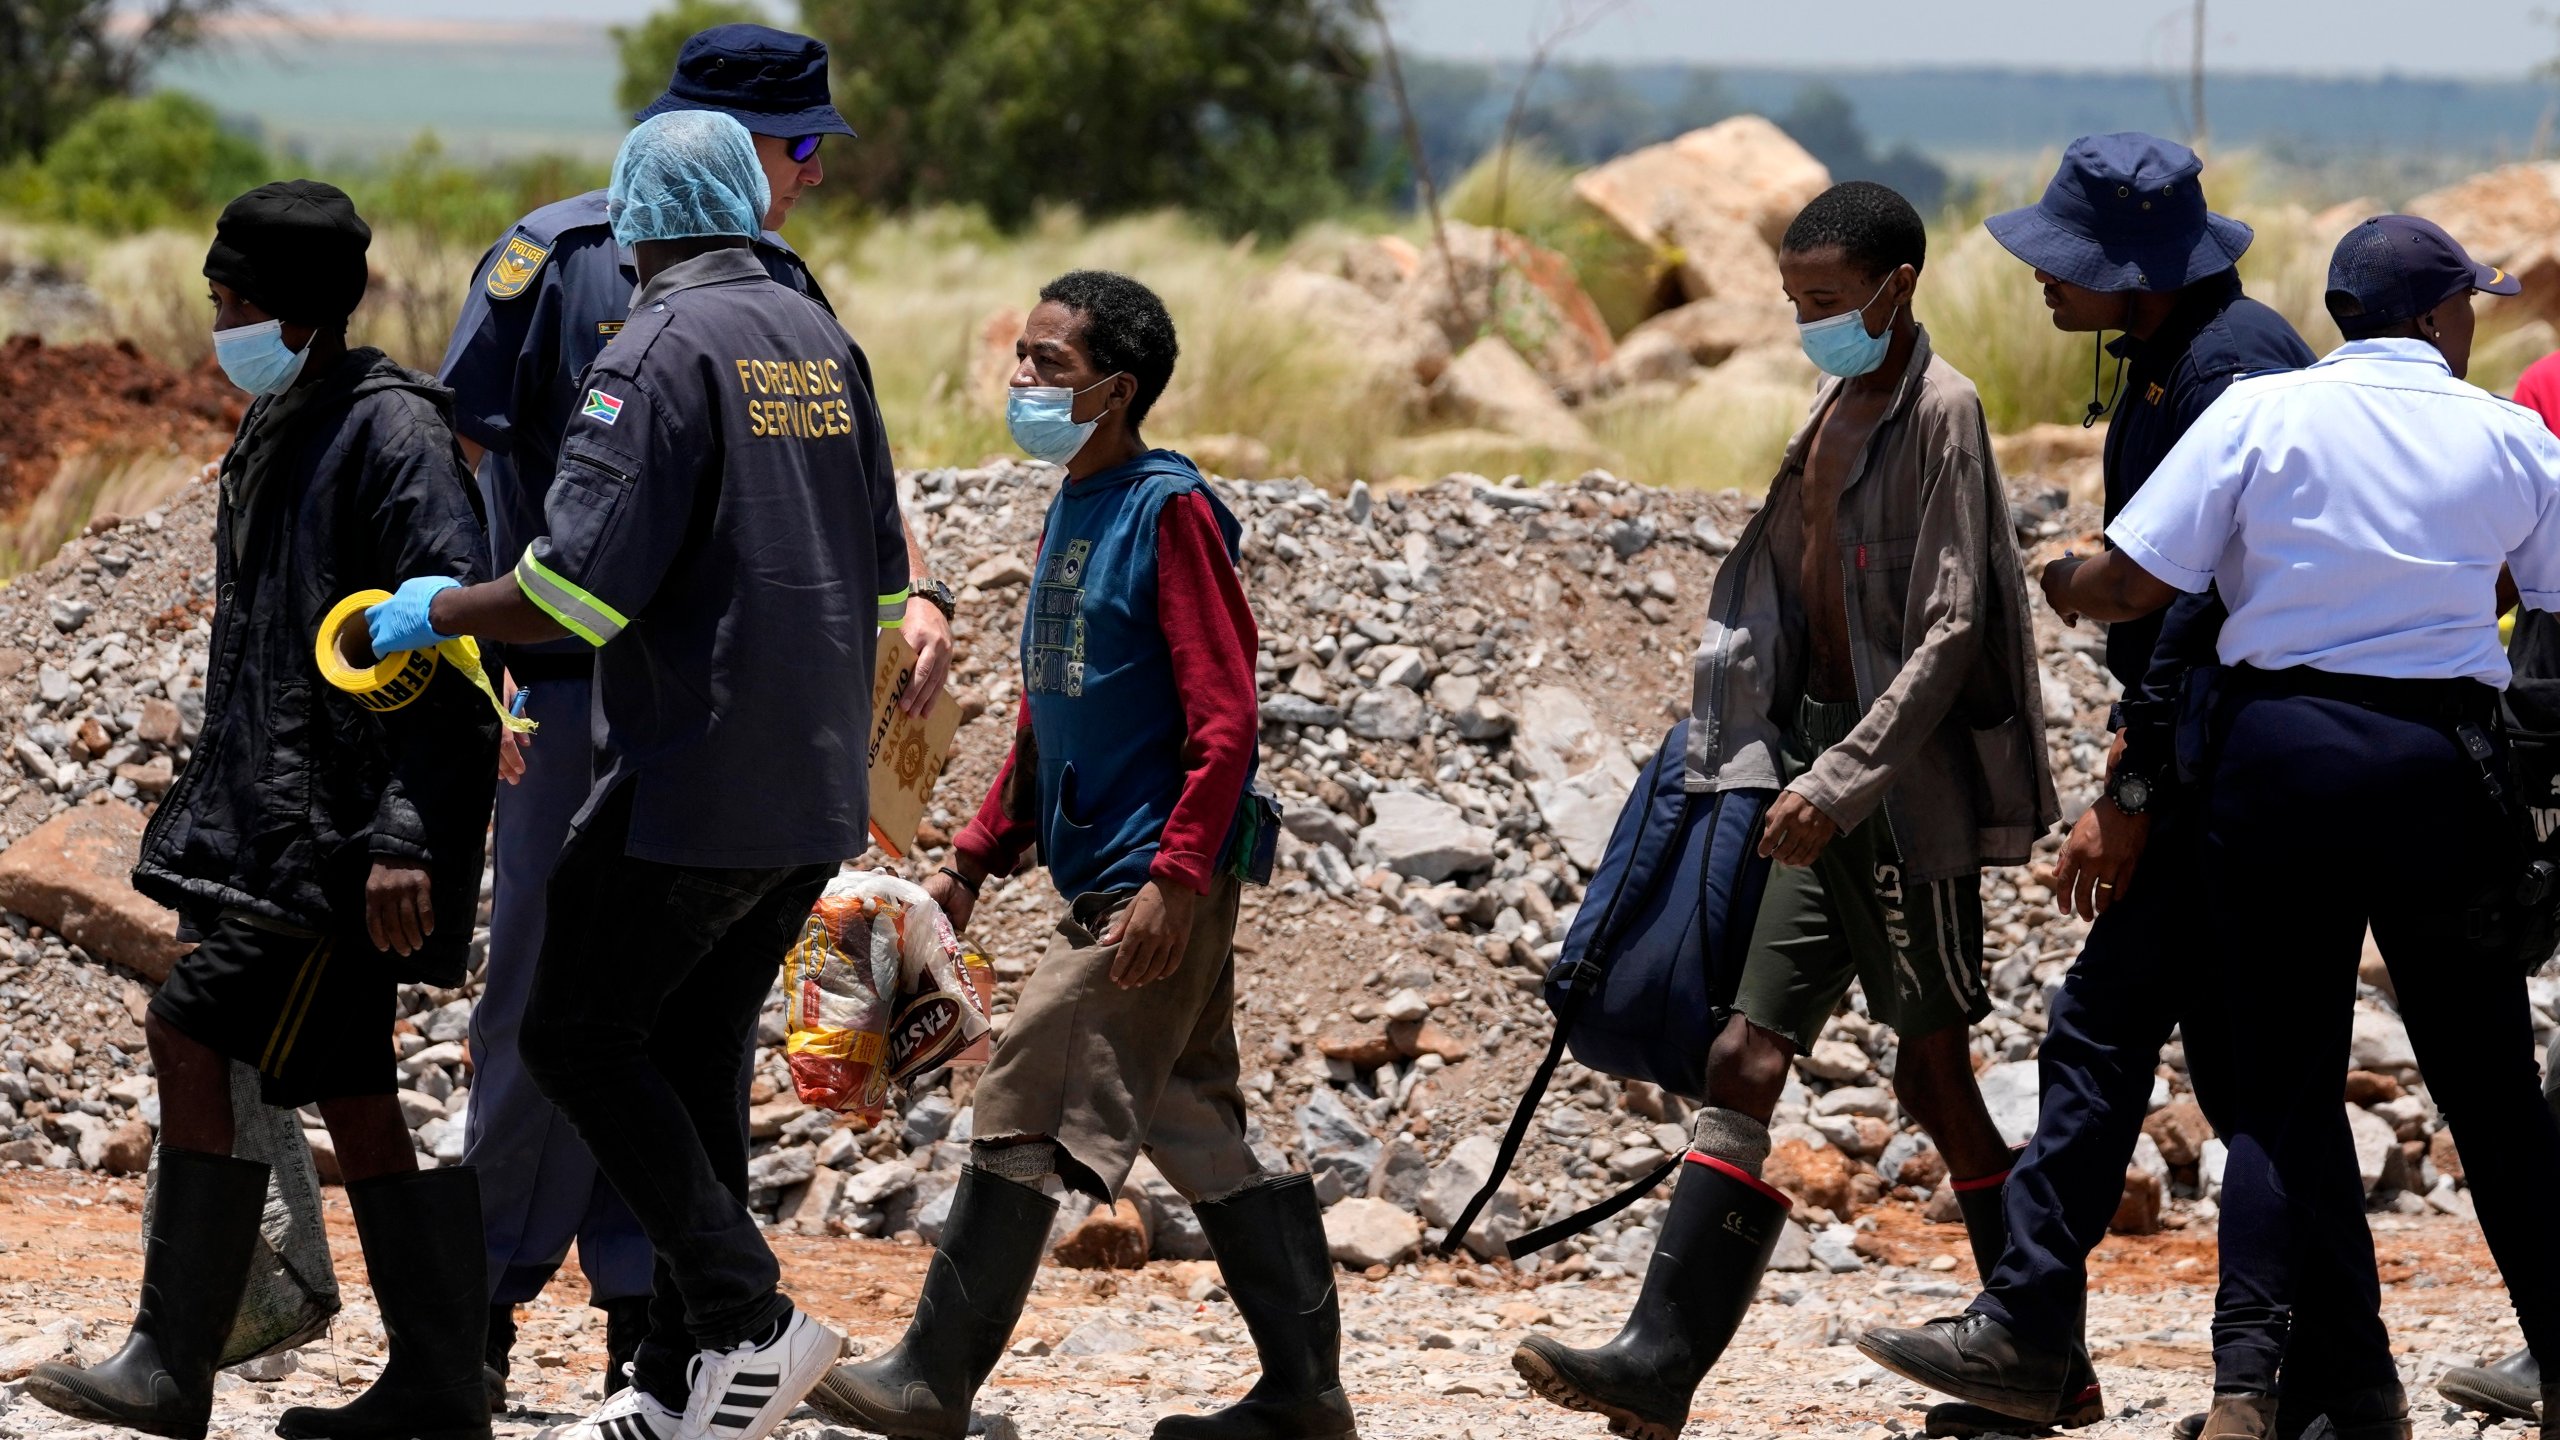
[[58, 398]]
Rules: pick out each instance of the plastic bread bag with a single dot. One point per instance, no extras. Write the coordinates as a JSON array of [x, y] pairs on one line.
[[942, 1009], [839, 990], [876, 990]]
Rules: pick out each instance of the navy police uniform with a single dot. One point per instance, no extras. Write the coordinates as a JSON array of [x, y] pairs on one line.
[[545, 302], [724, 530], [2356, 516], [2131, 985]]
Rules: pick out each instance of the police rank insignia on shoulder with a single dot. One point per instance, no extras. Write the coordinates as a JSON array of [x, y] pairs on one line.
[[515, 268]]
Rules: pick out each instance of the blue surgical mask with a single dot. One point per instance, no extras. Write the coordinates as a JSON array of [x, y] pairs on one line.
[[257, 359], [1042, 419], [1841, 345]]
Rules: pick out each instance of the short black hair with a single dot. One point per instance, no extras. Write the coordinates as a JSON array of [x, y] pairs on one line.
[[1878, 229], [1127, 330]]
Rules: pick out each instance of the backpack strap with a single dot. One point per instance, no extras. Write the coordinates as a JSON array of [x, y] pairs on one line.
[[1580, 980], [1581, 1220]]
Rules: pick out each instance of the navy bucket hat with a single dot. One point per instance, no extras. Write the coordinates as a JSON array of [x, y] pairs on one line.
[[2125, 212], [771, 81]]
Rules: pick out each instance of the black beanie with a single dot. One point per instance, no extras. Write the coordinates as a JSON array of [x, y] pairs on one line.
[[295, 249]]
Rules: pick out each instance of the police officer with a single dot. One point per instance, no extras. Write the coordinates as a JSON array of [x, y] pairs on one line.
[[2355, 517], [546, 300], [734, 650], [2122, 240]]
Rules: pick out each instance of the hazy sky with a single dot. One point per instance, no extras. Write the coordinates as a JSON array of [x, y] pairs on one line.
[[2442, 37]]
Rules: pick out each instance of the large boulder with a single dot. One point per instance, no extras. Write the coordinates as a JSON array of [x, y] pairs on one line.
[[1491, 387], [72, 876], [1425, 839], [1393, 356], [2509, 217], [1578, 775], [1716, 200], [1712, 330], [1494, 281]]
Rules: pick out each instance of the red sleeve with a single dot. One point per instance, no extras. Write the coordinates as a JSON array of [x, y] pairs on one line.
[[2538, 389], [1209, 628], [994, 839]]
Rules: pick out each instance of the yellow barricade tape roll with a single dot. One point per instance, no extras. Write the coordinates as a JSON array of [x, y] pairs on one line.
[[396, 680]]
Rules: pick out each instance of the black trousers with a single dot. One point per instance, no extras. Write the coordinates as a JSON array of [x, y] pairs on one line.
[[2326, 817], [2141, 975], [641, 1028]]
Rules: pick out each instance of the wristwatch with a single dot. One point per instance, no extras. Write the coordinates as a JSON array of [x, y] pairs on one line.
[[2131, 790], [936, 593]]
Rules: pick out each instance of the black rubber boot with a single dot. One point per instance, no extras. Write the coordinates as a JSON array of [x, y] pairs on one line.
[[1278, 1269], [1983, 1363], [497, 1355], [1715, 1242], [626, 1324], [428, 1266], [973, 1293], [195, 1263], [2504, 1391]]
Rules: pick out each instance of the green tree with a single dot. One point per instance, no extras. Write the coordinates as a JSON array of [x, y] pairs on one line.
[[649, 48], [133, 164], [59, 57], [1249, 112]]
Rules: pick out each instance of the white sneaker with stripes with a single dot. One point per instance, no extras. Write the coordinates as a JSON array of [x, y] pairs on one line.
[[743, 1394], [628, 1414]]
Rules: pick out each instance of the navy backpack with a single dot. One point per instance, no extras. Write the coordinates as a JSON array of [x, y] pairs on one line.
[[1651, 963]]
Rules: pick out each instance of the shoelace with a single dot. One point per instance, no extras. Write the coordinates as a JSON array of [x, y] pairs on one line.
[[703, 1404]]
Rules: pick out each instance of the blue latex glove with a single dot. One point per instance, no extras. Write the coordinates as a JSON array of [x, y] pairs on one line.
[[400, 623]]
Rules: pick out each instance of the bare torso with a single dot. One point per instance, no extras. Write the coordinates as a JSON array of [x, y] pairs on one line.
[[1829, 461]]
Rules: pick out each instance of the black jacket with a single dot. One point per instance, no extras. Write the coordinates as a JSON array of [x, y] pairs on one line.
[[293, 789]]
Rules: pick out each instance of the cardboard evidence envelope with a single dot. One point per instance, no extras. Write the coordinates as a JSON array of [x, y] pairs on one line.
[[907, 755]]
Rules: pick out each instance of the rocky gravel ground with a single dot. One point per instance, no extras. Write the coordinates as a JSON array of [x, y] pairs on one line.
[[1460, 681], [1102, 1354]]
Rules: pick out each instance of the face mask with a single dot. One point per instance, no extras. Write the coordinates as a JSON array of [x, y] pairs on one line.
[[257, 359], [1042, 419], [1841, 345]]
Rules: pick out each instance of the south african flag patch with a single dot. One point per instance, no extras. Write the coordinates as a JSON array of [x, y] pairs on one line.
[[601, 406]]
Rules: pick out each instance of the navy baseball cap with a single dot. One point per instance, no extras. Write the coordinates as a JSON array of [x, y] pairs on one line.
[[771, 81], [2392, 269], [2124, 212]]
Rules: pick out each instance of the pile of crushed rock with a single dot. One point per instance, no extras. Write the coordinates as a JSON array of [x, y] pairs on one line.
[[1459, 683]]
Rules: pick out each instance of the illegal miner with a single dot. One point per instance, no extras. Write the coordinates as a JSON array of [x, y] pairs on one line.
[[1132, 769], [1869, 651], [321, 852]]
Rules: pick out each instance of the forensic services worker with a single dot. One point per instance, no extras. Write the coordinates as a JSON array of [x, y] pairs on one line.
[[724, 533], [2356, 517], [2122, 240], [322, 853], [546, 300]]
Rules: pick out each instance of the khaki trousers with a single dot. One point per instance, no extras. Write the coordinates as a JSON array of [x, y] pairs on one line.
[[1109, 1073]]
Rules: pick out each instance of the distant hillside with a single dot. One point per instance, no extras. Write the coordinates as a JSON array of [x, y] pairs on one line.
[[332, 87], [364, 87]]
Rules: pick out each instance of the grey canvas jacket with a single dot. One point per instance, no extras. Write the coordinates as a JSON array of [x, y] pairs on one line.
[[1950, 745]]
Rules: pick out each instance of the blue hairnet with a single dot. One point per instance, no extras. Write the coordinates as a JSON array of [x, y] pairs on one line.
[[684, 174]]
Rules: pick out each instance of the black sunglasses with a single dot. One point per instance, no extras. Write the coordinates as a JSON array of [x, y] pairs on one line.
[[805, 147]]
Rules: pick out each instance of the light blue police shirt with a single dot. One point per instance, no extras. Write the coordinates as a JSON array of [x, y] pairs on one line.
[[2355, 514]]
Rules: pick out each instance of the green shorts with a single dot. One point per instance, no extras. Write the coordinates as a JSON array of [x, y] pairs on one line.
[[1850, 915]]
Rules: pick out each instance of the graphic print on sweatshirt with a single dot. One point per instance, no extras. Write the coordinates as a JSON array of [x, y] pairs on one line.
[[1056, 664]]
